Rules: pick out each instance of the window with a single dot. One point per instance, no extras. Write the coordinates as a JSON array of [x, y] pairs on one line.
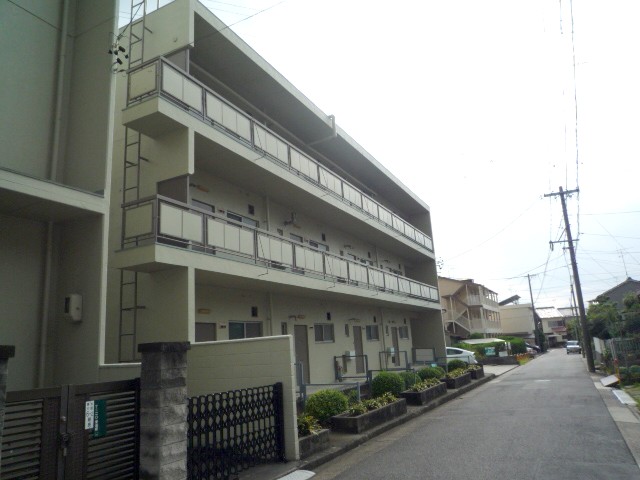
[[205, 332], [319, 246], [242, 219], [202, 205], [254, 311], [284, 328], [346, 330], [295, 237], [403, 332], [244, 330], [323, 332], [373, 332], [251, 209]]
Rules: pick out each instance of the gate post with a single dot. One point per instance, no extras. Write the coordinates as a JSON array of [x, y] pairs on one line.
[[6, 352], [163, 410]]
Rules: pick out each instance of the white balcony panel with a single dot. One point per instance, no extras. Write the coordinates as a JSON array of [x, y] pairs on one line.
[[214, 108], [244, 127], [230, 237], [138, 220], [192, 226], [192, 94], [143, 81], [369, 206], [357, 273], [247, 242], [308, 259], [385, 215], [170, 220], [171, 82], [391, 282], [404, 285], [272, 249], [409, 231], [351, 194], [330, 181], [304, 165], [376, 278], [414, 288], [398, 224], [336, 267]]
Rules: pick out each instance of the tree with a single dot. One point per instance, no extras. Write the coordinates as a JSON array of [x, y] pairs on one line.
[[604, 319], [631, 313]]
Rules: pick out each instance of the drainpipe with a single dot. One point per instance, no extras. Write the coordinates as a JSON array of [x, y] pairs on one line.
[[53, 168]]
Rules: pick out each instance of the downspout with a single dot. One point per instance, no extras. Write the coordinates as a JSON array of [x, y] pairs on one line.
[[53, 168]]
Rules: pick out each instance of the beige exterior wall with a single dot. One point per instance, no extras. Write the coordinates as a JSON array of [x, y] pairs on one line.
[[235, 364], [517, 319]]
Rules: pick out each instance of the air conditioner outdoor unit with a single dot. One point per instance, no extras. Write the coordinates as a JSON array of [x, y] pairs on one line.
[[391, 350], [349, 353]]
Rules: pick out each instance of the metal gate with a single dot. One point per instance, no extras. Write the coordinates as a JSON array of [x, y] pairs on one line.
[[44, 432], [232, 431]]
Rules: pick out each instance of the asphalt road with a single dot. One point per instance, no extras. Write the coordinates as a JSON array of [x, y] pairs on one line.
[[544, 420]]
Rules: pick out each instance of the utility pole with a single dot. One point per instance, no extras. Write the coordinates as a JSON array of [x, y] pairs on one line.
[[537, 323], [586, 338]]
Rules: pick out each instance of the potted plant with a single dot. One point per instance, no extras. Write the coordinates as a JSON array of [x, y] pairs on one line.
[[369, 413], [457, 378], [311, 436], [476, 370], [423, 392]]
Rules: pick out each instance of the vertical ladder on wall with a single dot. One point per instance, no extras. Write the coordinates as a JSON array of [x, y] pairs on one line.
[[133, 158]]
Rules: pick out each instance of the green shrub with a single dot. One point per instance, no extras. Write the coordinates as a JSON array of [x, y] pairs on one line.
[[387, 382], [409, 379], [457, 372], [356, 409], [307, 425], [634, 370], [324, 404], [517, 344], [455, 364], [387, 398], [352, 397], [428, 383], [431, 372]]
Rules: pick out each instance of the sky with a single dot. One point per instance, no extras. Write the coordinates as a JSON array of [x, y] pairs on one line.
[[482, 108]]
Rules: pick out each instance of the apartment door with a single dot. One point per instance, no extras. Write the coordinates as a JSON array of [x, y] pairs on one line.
[[357, 346], [396, 346], [301, 345]]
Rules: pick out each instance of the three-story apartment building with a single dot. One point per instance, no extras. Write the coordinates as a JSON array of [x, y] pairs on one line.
[[246, 211]]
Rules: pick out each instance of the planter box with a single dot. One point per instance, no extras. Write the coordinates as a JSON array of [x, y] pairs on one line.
[[366, 421], [313, 443], [459, 381], [476, 374], [425, 396]]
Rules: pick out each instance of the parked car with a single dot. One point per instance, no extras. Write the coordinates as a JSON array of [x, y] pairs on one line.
[[573, 347], [535, 348], [460, 354]]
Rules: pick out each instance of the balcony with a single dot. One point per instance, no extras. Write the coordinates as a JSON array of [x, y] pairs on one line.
[[481, 301], [160, 79], [161, 220]]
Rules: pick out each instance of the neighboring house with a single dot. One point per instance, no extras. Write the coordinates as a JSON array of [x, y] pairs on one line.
[[518, 321], [55, 132], [570, 314], [616, 294], [553, 325], [468, 307], [241, 210]]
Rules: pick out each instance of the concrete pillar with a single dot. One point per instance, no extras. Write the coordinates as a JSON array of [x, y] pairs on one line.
[[163, 410], [6, 352]]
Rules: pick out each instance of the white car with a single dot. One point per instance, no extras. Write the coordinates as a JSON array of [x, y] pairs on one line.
[[460, 354]]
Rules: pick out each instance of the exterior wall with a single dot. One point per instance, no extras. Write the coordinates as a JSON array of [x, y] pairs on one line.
[[235, 364], [517, 319]]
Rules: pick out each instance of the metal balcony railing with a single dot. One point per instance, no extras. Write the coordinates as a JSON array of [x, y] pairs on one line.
[[161, 78], [163, 220]]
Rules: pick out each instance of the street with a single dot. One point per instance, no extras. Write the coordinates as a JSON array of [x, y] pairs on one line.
[[544, 420]]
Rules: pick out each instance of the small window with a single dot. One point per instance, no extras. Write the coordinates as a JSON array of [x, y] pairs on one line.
[[202, 205], [280, 232], [205, 332], [328, 315], [242, 219], [295, 237], [254, 311], [284, 328], [352, 257], [323, 332], [239, 330], [251, 209], [324, 237], [373, 332], [318, 246], [346, 330], [403, 332]]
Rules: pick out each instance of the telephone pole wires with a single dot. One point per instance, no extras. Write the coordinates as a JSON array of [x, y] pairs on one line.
[[586, 338]]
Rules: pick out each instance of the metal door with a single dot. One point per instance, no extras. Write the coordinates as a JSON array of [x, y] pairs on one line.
[[301, 345], [357, 345]]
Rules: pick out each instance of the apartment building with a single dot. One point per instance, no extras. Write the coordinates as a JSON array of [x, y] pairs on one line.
[[56, 134], [468, 307], [245, 211]]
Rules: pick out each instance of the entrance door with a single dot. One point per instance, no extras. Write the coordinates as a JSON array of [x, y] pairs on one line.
[[396, 346], [301, 345], [357, 345]]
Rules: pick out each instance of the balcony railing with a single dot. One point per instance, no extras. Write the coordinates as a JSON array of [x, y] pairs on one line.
[[163, 220], [480, 300], [161, 78]]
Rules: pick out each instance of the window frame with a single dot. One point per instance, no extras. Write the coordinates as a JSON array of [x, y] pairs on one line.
[[244, 329], [369, 332], [324, 327]]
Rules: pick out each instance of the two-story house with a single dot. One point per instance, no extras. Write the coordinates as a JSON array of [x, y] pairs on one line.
[[245, 211]]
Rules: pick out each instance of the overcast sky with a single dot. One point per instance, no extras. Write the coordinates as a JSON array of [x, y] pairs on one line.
[[471, 105]]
